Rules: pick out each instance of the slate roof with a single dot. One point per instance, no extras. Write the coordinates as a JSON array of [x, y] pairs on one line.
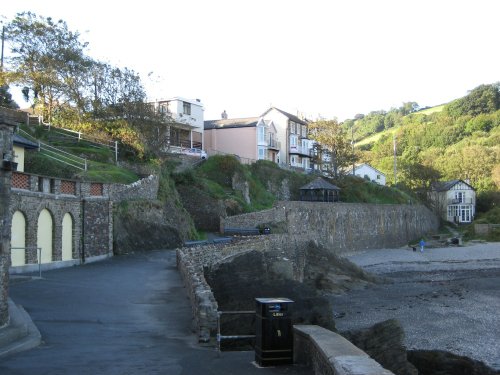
[[289, 115], [231, 123], [447, 185], [319, 184], [23, 142]]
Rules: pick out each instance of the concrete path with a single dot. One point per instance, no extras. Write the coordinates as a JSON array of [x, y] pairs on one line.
[[126, 315]]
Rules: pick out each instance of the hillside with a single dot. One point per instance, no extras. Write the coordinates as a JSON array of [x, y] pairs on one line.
[[219, 186], [458, 140]]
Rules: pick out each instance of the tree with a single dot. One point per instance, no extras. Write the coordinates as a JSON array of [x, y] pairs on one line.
[[495, 175], [335, 148], [45, 57], [482, 99], [6, 98]]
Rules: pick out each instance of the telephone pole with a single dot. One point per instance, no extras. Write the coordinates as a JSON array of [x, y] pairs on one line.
[[395, 162]]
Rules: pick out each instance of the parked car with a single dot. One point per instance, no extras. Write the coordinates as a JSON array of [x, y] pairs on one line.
[[195, 152]]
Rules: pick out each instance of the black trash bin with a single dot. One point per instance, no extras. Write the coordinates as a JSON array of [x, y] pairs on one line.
[[273, 333]]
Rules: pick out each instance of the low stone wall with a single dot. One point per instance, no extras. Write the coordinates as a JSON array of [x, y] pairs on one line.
[[190, 263], [328, 353], [485, 228], [344, 226]]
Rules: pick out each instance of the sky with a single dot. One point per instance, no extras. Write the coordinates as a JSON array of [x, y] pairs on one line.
[[318, 58]]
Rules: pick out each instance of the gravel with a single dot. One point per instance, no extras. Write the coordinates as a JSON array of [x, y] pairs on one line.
[[445, 298]]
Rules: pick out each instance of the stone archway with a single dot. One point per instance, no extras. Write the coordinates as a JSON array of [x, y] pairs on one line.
[[45, 235], [18, 239], [67, 237]]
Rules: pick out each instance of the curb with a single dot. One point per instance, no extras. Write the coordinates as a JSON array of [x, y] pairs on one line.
[[20, 334]]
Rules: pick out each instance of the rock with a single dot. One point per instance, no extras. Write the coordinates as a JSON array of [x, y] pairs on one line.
[[384, 343], [439, 362]]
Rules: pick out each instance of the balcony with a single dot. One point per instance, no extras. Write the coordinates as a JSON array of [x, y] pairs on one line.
[[302, 151], [274, 144], [457, 201]]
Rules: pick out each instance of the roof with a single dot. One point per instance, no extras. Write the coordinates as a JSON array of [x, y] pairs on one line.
[[319, 184], [290, 116], [231, 123], [447, 185], [357, 166], [23, 142], [178, 99]]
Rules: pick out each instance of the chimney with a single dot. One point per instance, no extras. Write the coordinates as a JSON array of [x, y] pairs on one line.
[[224, 115]]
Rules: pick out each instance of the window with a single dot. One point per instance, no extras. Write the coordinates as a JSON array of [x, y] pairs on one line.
[[186, 108], [293, 141], [262, 153], [261, 135], [459, 196], [378, 177]]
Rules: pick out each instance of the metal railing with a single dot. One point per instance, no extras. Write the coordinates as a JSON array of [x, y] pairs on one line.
[[57, 154], [301, 150], [230, 337], [460, 201], [38, 258]]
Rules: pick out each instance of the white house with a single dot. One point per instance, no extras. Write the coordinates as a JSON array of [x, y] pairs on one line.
[[188, 116], [368, 172], [454, 201], [292, 134]]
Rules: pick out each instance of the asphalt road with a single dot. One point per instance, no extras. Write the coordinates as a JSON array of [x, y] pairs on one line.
[[445, 298], [126, 315]]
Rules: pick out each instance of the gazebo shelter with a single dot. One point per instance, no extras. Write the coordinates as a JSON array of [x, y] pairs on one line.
[[319, 190]]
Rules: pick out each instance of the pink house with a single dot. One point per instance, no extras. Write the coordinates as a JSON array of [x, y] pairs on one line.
[[251, 138]]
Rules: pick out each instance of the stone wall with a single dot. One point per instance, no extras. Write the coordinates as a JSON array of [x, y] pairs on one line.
[[263, 266], [328, 353], [146, 188], [89, 204], [97, 227], [6, 131], [30, 204], [344, 226]]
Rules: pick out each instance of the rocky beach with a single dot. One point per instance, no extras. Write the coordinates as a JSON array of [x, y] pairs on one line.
[[444, 298]]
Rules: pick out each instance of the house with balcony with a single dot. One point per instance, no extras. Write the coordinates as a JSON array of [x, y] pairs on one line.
[[292, 133], [454, 201], [186, 129], [251, 139]]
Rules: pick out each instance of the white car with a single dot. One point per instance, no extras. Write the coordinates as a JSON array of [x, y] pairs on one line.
[[195, 152]]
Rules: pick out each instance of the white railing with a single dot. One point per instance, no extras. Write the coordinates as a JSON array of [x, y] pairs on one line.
[[57, 154]]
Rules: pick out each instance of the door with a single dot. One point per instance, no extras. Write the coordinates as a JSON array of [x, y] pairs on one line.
[[67, 237], [44, 235]]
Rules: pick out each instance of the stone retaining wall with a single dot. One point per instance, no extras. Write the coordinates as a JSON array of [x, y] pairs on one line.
[[146, 188], [344, 226], [6, 135], [190, 263]]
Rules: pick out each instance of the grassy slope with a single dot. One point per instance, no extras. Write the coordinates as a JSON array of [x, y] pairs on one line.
[[375, 137]]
